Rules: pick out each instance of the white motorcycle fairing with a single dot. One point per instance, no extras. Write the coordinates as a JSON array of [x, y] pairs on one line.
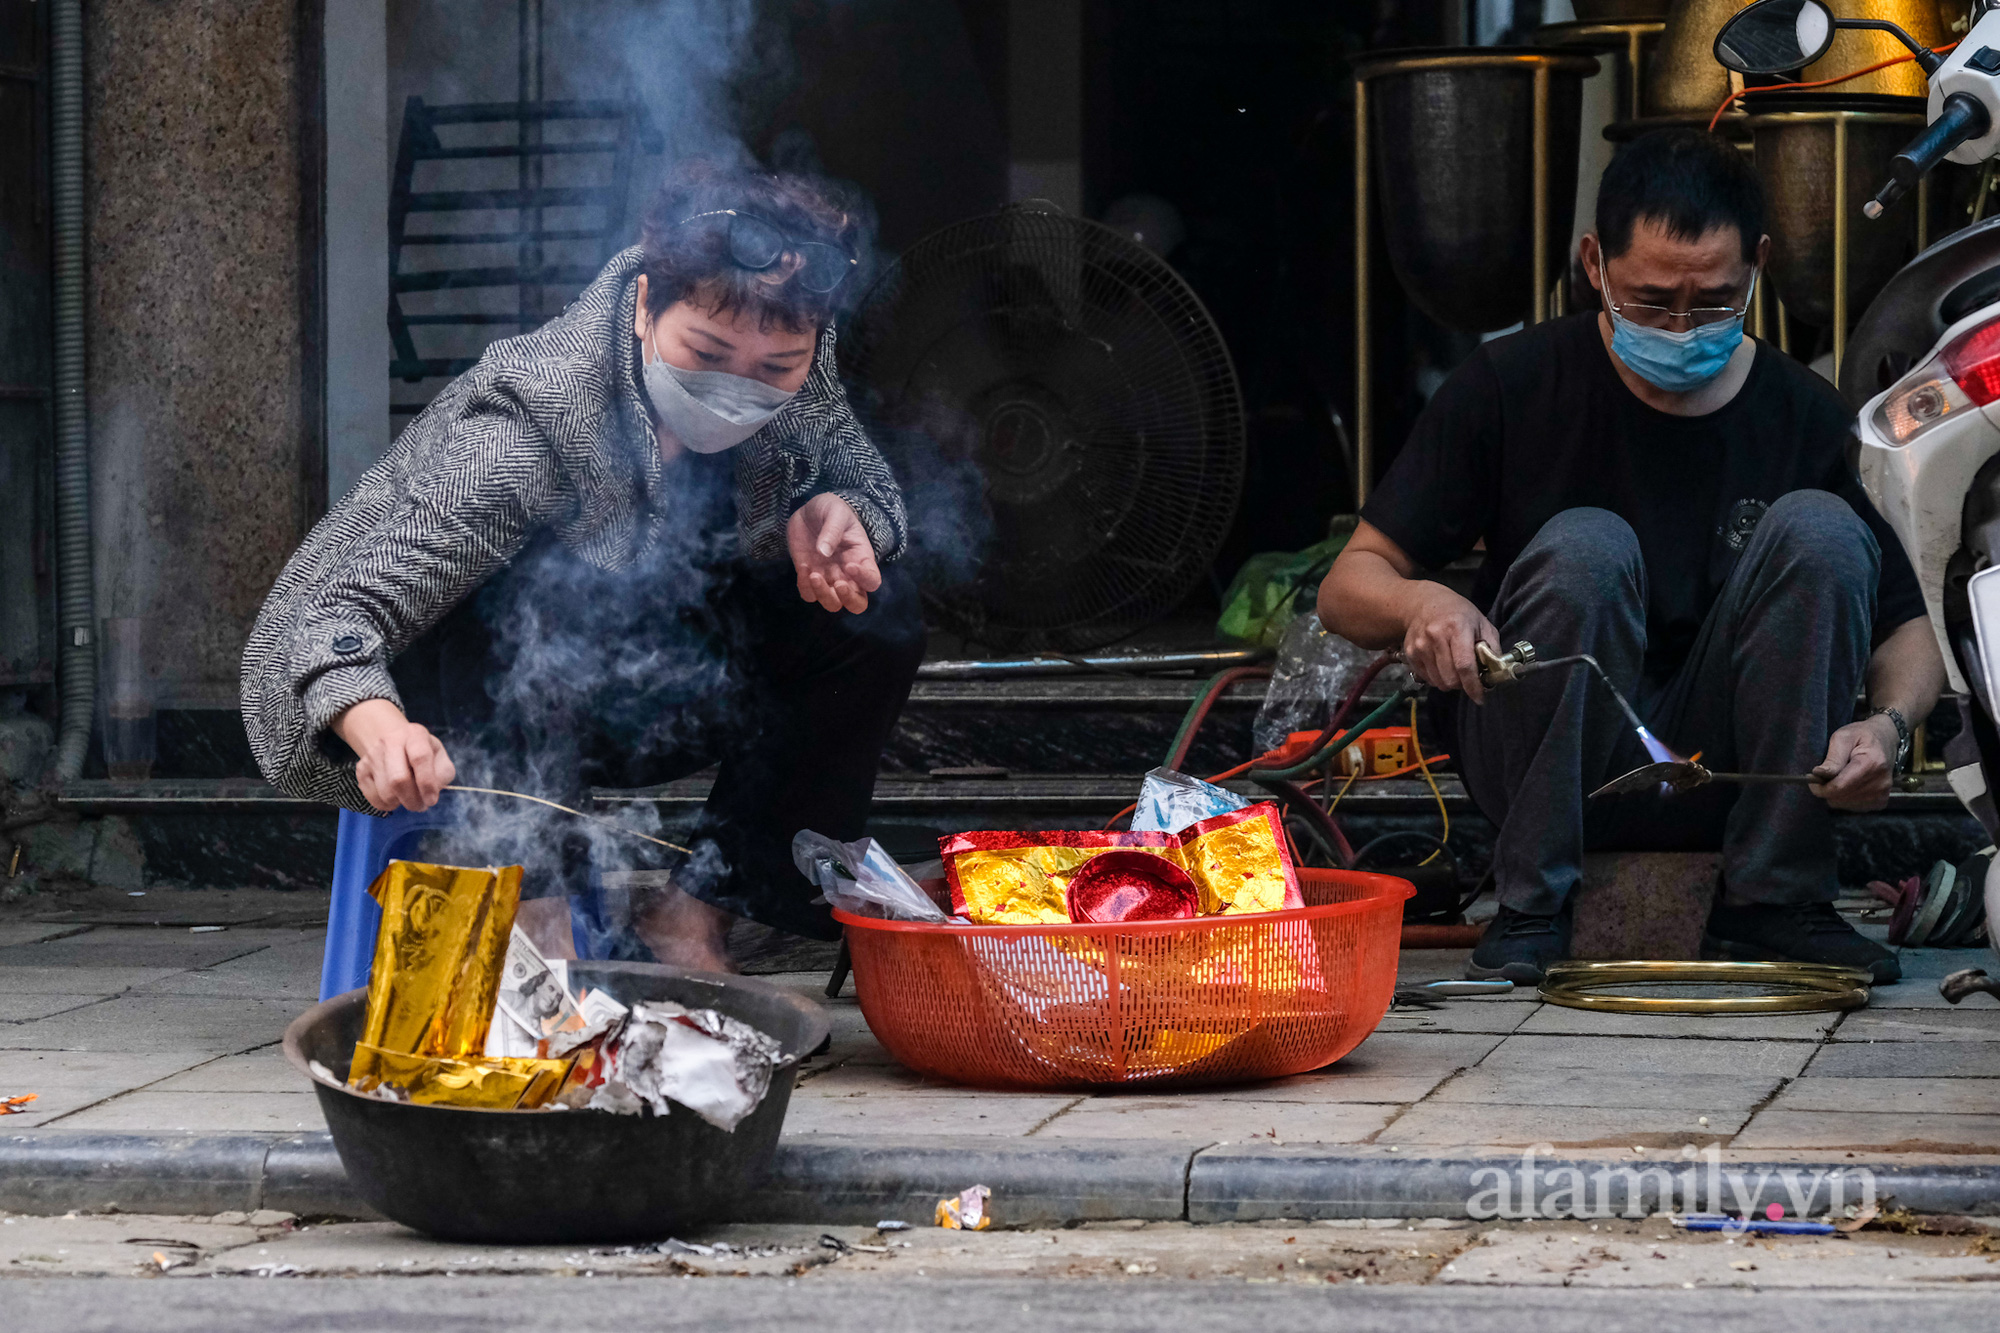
[[1919, 487]]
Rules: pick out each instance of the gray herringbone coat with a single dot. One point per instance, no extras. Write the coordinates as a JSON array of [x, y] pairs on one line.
[[548, 430]]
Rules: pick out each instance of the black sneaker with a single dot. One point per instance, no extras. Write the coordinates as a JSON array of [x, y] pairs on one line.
[[1519, 947], [1813, 933]]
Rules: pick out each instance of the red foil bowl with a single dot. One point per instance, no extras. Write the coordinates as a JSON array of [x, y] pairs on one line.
[[1131, 886]]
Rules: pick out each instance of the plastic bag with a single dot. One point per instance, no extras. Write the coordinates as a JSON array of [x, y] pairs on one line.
[[1314, 671], [1170, 801], [1272, 585], [872, 885]]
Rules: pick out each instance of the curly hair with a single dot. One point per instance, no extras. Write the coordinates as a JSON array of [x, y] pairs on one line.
[[692, 262]]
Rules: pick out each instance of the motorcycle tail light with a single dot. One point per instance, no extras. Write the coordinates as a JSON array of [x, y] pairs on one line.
[[1973, 361], [1965, 374]]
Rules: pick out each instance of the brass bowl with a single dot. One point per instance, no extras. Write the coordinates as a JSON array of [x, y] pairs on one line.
[[1812, 987]]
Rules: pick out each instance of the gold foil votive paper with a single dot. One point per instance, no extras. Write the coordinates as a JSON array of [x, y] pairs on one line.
[[1239, 862], [487, 1082], [431, 991]]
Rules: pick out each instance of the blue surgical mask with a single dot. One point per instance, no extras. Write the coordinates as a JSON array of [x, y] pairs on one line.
[[1675, 362]]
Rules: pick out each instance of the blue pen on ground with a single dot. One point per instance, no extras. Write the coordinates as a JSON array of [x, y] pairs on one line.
[[1738, 1226]]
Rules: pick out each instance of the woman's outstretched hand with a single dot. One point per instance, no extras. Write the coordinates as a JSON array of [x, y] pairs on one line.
[[832, 554], [401, 765]]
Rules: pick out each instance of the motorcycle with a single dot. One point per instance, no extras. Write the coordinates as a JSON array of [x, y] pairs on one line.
[[1922, 368]]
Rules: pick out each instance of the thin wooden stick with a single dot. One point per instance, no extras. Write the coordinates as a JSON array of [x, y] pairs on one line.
[[580, 814]]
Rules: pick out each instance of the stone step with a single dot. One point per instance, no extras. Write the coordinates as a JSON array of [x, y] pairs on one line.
[[233, 831]]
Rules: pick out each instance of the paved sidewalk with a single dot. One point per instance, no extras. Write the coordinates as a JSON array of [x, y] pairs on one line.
[[166, 1030], [1427, 1251]]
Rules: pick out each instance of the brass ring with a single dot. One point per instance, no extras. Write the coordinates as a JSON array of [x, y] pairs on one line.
[[1816, 987]]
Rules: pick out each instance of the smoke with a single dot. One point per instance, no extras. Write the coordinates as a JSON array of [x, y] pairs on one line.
[[621, 680], [602, 678]]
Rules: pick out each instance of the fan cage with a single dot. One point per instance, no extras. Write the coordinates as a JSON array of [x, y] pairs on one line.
[[1088, 389]]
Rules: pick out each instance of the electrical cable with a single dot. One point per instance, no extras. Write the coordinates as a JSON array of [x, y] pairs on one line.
[[1317, 754], [1444, 815], [1198, 712], [1723, 110], [1362, 851], [1367, 678]]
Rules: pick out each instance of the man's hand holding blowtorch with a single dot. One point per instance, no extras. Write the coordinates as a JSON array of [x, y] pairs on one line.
[[1385, 602]]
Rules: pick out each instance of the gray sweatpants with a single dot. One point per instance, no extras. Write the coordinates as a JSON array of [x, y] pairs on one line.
[[1771, 675]]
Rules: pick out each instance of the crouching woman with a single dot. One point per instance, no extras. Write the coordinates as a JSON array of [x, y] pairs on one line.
[[646, 538]]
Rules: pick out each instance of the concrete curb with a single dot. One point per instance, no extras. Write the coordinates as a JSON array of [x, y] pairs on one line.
[[861, 1181], [1245, 1183]]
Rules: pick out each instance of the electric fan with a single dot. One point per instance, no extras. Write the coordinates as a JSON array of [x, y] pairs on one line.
[[1064, 418]]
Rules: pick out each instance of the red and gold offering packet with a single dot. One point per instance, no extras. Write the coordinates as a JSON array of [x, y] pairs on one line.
[[489, 1082], [1238, 862], [438, 956], [1130, 885], [1008, 878]]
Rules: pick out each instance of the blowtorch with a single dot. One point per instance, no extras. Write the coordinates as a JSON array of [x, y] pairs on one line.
[[1670, 771]]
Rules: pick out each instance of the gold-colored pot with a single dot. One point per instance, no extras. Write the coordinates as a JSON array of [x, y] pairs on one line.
[[1819, 166], [1683, 78], [1629, 41], [1922, 19]]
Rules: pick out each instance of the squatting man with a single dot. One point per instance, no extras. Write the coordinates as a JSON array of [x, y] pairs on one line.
[[646, 537], [1655, 489]]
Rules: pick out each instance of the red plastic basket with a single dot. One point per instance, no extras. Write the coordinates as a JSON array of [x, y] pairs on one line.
[[1220, 999]]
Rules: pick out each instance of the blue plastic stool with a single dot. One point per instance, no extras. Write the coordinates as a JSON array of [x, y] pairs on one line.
[[363, 849]]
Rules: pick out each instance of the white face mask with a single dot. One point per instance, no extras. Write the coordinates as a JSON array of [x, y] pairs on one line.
[[709, 411]]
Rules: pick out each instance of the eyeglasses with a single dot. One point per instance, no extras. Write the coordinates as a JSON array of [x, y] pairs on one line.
[[758, 245], [1658, 316]]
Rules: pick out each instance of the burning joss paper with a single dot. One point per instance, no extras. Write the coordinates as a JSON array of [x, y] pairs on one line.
[[464, 1011], [534, 1003], [432, 991], [437, 957], [716, 1066], [482, 1081]]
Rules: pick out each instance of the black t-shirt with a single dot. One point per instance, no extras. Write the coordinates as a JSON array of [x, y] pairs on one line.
[[1539, 422]]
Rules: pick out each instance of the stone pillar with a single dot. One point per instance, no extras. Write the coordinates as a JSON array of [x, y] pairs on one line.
[[206, 442]]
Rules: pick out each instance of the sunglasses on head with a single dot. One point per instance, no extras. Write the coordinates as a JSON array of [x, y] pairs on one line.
[[758, 245]]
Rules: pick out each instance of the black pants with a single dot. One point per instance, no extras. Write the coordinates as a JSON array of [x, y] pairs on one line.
[[1772, 673], [556, 677]]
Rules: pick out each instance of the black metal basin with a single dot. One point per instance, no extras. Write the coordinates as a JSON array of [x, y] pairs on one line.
[[559, 1176]]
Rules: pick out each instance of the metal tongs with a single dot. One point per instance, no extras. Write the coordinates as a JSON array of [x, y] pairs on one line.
[[1686, 775]]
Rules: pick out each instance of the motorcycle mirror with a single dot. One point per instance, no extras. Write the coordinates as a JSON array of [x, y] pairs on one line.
[[1775, 36]]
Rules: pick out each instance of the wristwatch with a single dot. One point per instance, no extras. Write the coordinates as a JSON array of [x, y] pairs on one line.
[[1902, 735]]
